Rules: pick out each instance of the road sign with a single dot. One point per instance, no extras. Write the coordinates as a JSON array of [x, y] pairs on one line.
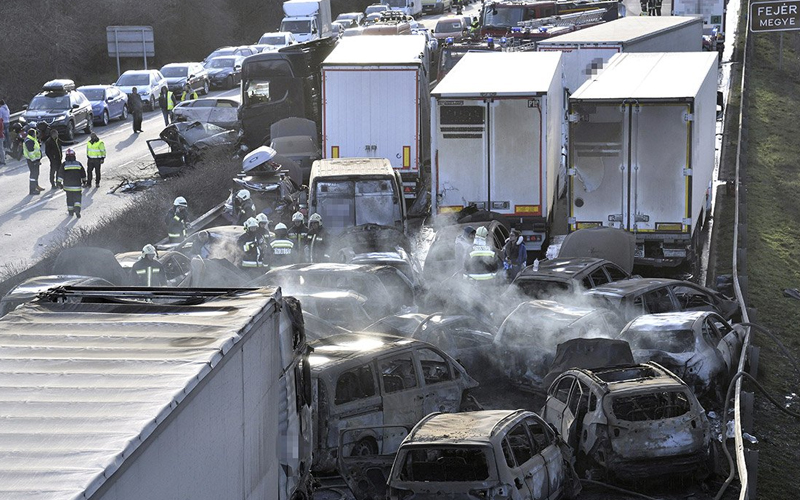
[[130, 41], [775, 16]]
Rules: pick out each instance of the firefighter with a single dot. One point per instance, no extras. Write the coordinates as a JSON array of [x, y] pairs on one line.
[[482, 263], [243, 206], [71, 177], [299, 231], [464, 245], [515, 255], [253, 245], [188, 94], [316, 248], [283, 250], [147, 271], [177, 220], [263, 226]]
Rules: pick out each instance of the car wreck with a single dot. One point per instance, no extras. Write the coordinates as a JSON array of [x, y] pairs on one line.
[[372, 380], [181, 144], [700, 347], [630, 423], [491, 455]]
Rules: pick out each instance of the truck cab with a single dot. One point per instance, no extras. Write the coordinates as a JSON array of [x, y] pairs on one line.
[[307, 19], [350, 192]]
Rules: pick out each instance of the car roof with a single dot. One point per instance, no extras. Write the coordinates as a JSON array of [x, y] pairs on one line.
[[668, 321], [563, 268], [339, 349], [139, 71], [97, 86], [552, 312], [631, 378], [624, 287], [455, 428], [171, 65]]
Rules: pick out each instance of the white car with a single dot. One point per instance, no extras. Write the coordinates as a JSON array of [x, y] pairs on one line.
[[217, 111], [276, 39], [148, 83]]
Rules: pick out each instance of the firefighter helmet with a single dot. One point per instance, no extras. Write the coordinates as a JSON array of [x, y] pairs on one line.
[[315, 218], [482, 232], [297, 217], [280, 226], [180, 201], [69, 154], [262, 218], [250, 223], [149, 250], [243, 195]]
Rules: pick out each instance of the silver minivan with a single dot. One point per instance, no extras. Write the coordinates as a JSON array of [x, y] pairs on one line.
[[366, 380]]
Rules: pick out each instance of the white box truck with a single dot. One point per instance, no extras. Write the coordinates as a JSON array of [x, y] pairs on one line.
[[642, 151], [588, 50], [375, 103], [307, 19], [408, 7], [125, 394], [496, 128], [711, 11]]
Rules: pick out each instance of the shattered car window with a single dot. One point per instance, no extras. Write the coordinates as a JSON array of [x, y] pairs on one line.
[[541, 438], [354, 385], [539, 289], [398, 373], [435, 368], [462, 463], [650, 406], [520, 444], [663, 340]]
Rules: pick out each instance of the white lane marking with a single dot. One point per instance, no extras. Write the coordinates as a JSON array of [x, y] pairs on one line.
[[39, 203]]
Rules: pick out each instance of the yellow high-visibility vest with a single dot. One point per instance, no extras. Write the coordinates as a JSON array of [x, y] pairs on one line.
[[34, 155], [96, 150]]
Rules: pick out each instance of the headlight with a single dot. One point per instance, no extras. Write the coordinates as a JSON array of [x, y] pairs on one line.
[[60, 117]]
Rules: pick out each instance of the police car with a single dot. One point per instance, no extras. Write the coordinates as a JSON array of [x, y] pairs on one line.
[[61, 107]]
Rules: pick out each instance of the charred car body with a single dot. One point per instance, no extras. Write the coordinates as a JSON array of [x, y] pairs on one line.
[[564, 276], [629, 423], [181, 144], [371, 380]]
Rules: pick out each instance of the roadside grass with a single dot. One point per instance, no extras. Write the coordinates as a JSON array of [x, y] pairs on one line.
[[772, 183]]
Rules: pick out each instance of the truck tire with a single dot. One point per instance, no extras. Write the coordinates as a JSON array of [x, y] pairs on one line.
[[364, 447]]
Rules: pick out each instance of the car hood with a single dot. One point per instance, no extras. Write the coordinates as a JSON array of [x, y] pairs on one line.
[[38, 115], [196, 134], [143, 90]]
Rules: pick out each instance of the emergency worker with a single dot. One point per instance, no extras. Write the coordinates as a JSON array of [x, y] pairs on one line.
[[53, 151], [475, 27], [253, 245], [95, 156], [283, 251], [464, 245], [147, 271], [32, 151], [188, 94], [243, 206], [263, 226], [177, 220], [483, 262], [316, 247], [515, 255], [166, 101], [299, 231], [71, 177]]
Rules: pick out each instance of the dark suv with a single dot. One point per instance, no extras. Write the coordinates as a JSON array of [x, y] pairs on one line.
[[179, 74], [62, 108]]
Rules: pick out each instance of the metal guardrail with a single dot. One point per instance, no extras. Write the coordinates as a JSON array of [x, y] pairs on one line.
[[14, 118]]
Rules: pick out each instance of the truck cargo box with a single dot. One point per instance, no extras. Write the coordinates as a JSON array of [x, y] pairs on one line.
[[375, 103], [496, 126], [642, 151], [125, 394]]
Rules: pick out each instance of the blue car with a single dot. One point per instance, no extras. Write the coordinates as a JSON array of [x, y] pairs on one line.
[[108, 102]]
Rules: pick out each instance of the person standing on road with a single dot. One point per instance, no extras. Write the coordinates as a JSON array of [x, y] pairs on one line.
[[5, 115], [188, 94], [33, 155], [166, 101], [316, 240], [515, 255], [644, 7], [147, 271], [656, 7], [95, 156], [52, 148], [3, 136], [135, 106], [71, 178], [177, 220], [263, 226], [283, 252]]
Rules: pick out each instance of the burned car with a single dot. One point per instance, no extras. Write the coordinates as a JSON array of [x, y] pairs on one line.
[[590, 354], [341, 308], [629, 423], [491, 455], [296, 139], [176, 265], [371, 380], [528, 337], [561, 276], [637, 296], [181, 144], [465, 338], [700, 347]]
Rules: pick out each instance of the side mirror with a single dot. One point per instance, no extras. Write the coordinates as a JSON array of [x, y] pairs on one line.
[[238, 67], [191, 76], [75, 106], [24, 106]]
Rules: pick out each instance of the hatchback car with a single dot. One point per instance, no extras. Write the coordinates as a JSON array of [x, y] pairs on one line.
[[214, 110], [375, 380], [491, 455], [277, 39], [108, 102], [629, 423], [180, 74], [637, 296], [564, 276], [62, 108], [450, 27], [225, 71], [700, 347], [148, 83]]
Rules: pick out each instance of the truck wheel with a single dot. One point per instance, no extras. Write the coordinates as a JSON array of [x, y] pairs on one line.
[[364, 447]]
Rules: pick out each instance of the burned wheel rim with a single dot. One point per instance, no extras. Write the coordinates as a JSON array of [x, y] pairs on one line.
[[363, 448]]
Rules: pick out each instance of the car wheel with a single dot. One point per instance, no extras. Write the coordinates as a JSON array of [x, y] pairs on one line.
[[152, 103], [124, 115], [89, 125], [364, 447], [70, 135], [105, 118], [229, 82], [205, 87]]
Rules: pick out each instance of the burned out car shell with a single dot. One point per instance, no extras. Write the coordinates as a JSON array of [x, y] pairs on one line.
[[509, 454], [629, 423], [700, 347], [565, 275], [367, 380]]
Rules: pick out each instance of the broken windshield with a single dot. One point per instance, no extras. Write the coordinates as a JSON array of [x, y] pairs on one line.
[[652, 406], [446, 464]]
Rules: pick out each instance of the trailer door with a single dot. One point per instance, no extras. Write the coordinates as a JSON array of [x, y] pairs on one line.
[[462, 175], [346, 128], [394, 117], [515, 146], [660, 181], [598, 174]]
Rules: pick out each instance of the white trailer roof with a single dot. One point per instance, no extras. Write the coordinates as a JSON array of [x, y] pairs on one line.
[[658, 75], [374, 50], [501, 73], [623, 30], [82, 386]]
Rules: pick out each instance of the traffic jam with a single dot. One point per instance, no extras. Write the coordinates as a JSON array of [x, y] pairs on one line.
[[427, 281]]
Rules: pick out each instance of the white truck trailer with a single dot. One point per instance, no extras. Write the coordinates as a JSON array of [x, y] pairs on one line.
[[408, 7], [125, 394], [496, 140], [642, 151], [711, 11], [375, 95], [307, 19]]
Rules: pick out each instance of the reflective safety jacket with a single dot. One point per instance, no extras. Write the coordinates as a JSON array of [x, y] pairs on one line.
[[96, 149], [298, 235], [170, 101], [482, 262], [148, 272], [282, 251], [317, 244], [71, 175], [252, 243], [176, 224], [32, 149], [188, 95]]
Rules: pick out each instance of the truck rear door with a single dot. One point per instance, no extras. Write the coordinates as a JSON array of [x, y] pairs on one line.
[[462, 175], [346, 128]]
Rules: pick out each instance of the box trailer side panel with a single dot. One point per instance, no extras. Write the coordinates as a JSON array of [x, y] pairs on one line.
[[684, 38], [704, 120], [712, 12], [555, 149], [582, 61]]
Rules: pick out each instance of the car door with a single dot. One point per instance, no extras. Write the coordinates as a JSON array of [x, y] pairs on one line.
[[441, 392], [356, 403], [659, 300], [555, 410], [78, 110], [530, 463], [115, 101], [720, 347], [546, 445], [692, 298], [401, 388]]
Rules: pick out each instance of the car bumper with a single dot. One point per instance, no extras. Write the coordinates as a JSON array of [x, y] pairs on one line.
[[220, 81]]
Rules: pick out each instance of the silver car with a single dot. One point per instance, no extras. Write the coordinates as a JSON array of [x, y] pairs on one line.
[[148, 83], [216, 111]]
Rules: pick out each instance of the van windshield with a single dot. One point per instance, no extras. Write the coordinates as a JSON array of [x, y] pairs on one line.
[[296, 27], [344, 203], [446, 464]]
